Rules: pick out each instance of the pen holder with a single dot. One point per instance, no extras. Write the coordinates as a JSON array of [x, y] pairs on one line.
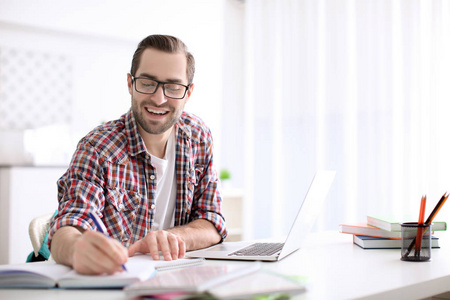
[[416, 242]]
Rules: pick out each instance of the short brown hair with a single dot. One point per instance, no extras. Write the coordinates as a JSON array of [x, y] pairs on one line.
[[164, 43]]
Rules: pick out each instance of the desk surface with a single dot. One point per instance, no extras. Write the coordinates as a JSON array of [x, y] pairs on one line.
[[335, 268]]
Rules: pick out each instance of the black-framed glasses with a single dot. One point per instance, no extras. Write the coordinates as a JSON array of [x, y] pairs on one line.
[[149, 86]]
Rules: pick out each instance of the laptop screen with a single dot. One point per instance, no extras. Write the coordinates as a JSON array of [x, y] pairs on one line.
[[309, 211]]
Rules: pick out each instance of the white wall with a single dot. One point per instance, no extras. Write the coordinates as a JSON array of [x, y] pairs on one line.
[[101, 36]]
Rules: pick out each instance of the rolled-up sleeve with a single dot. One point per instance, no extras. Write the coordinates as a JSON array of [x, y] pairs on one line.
[[203, 194], [208, 201], [79, 191]]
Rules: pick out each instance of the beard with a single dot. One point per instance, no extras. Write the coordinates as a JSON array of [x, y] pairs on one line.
[[153, 126]]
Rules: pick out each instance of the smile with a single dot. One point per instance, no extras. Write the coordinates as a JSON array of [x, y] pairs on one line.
[[156, 112]]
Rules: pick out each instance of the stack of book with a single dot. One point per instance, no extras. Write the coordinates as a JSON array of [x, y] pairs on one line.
[[384, 232]]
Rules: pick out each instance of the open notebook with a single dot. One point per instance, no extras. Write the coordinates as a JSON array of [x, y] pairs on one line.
[[303, 223], [50, 274]]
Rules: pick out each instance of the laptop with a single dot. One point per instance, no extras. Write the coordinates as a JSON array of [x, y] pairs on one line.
[[303, 223]]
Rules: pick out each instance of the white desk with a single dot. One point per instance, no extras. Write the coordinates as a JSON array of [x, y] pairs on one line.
[[335, 268]]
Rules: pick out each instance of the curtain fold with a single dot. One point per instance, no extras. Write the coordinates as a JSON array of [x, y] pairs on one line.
[[360, 87]]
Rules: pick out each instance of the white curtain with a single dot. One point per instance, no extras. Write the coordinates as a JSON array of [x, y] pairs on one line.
[[360, 87]]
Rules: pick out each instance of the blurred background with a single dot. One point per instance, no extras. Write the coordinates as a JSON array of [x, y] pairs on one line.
[[288, 87]]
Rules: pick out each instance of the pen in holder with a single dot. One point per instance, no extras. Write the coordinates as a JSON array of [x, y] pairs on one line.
[[409, 241]]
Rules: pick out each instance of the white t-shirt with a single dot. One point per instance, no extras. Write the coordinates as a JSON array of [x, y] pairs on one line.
[[166, 187]]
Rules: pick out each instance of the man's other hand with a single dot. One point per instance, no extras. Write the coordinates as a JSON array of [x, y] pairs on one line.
[[172, 246]]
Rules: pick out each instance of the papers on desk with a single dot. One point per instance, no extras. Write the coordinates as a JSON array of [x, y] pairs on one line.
[[224, 281], [49, 274], [261, 283], [192, 280], [147, 277]]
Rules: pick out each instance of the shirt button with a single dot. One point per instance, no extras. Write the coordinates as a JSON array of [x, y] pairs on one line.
[[121, 206], [152, 177], [152, 206]]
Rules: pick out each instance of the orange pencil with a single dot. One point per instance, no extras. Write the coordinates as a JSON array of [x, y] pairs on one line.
[[419, 234]]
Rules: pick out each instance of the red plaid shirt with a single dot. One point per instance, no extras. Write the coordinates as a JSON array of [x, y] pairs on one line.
[[111, 175]]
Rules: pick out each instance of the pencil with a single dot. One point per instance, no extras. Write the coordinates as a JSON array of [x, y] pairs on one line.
[[436, 209], [429, 219], [420, 228]]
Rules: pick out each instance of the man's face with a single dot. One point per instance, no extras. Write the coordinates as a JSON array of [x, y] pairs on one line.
[[156, 113]]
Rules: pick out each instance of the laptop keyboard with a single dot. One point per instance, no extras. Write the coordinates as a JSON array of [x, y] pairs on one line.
[[258, 249]]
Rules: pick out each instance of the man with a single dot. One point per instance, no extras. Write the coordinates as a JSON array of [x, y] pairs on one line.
[[149, 175]]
